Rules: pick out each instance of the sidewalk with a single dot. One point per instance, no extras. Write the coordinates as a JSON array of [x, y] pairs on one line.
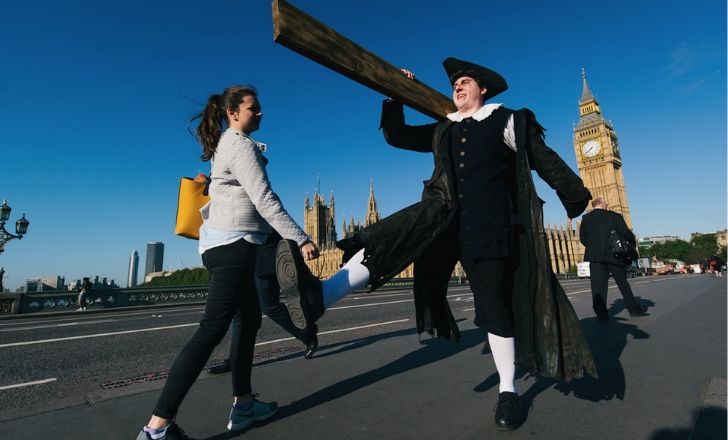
[[658, 375]]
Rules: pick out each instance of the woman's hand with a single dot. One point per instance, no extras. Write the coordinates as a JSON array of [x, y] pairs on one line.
[[309, 250]]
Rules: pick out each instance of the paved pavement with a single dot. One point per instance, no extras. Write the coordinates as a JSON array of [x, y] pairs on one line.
[[662, 377]]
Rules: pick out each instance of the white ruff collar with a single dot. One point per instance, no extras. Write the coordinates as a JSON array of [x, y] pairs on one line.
[[482, 113]]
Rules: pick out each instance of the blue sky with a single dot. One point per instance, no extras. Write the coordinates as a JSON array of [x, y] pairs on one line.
[[95, 99]]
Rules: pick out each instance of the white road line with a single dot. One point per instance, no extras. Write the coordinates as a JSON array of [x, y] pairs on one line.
[[19, 385], [337, 331], [382, 303], [120, 314], [65, 324], [71, 338], [371, 304]]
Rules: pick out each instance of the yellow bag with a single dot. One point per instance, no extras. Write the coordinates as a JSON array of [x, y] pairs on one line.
[[192, 197]]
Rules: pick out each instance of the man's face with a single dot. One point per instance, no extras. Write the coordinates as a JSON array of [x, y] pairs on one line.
[[467, 93]]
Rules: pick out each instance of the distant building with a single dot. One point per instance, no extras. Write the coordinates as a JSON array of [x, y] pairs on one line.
[[155, 257], [720, 236], [45, 284], [153, 275], [647, 242], [131, 280], [96, 283]]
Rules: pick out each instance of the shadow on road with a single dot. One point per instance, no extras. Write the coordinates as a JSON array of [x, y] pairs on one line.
[[618, 304], [428, 353], [709, 423], [431, 350], [607, 340]]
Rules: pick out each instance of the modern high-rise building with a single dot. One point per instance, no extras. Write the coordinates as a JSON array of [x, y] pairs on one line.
[[155, 257], [131, 280]]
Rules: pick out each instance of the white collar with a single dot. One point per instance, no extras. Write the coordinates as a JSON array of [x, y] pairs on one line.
[[482, 113]]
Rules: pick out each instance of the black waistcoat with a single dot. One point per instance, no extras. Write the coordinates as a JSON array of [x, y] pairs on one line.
[[483, 173]]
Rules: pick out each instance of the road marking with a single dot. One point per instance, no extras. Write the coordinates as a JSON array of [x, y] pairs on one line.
[[370, 305], [116, 314], [384, 303], [19, 385], [337, 331], [71, 338], [65, 324]]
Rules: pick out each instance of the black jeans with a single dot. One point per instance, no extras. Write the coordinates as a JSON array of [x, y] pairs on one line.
[[599, 277], [232, 291]]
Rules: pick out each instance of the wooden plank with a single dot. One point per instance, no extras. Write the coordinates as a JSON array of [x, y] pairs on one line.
[[304, 34]]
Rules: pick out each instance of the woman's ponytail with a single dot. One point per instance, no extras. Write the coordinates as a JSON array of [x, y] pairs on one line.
[[214, 115]]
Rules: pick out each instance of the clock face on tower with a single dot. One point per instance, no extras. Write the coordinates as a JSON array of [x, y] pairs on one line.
[[591, 148]]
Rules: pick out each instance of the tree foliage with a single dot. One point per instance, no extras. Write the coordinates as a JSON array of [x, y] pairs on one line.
[[185, 277], [676, 249], [696, 251]]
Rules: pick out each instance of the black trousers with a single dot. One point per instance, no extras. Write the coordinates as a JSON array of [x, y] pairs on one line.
[[232, 291], [491, 280], [599, 277]]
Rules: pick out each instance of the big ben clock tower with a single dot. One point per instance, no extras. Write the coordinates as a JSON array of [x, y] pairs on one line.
[[597, 154]]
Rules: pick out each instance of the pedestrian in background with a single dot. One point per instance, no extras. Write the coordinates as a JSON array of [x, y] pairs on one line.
[[237, 220], [594, 235], [83, 295]]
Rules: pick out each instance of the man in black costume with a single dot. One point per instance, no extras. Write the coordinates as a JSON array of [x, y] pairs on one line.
[[479, 207]]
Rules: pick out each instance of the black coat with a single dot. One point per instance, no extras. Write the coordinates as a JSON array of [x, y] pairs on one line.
[[549, 341], [594, 235]]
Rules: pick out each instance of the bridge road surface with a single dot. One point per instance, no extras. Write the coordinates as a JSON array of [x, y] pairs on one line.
[[98, 375]]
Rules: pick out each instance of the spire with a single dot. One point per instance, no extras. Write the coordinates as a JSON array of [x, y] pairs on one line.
[[586, 94], [318, 183], [372, 215], [332, 212], [306, 203]]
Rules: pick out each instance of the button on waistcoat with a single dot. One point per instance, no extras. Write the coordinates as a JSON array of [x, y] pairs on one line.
[[483, 173]]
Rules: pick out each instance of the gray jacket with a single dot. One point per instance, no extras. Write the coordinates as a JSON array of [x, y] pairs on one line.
[[241, 197]]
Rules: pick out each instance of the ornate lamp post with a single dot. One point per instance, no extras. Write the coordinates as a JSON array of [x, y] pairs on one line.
[[21, 226]]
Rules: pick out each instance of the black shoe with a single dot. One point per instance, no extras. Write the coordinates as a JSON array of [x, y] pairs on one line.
[[302, 290], [311, 347], [641, 312], [222, 368], [509, 412]]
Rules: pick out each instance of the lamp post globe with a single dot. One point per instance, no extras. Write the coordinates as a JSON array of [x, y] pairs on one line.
[[21, 226], [5, 211]]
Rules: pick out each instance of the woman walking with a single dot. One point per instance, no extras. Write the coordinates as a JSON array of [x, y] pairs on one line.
[[238, 218]]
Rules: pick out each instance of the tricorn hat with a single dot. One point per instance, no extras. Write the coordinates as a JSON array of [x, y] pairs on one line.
[[487, 78]]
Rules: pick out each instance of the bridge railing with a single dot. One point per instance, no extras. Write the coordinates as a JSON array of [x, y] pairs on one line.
[[67, 300]]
